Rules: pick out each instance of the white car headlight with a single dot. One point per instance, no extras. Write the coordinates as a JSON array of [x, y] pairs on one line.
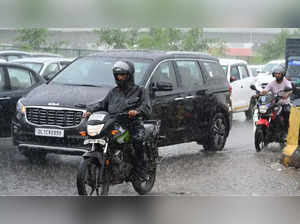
[[94, 130], [20, 107], [263, 109]]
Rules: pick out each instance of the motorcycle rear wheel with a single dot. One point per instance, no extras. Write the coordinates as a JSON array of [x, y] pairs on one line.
[[88, 178], [259, 139]]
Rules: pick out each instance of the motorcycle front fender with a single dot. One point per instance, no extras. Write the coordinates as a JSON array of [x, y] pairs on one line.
[[97, 155], [263, 122]]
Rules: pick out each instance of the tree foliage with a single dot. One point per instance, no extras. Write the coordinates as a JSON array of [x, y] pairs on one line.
[[275, 49], [33, 39], [159, 39]]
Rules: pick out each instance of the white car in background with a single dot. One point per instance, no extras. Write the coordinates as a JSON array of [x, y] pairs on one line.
[[256, 69], [46, 67], [265, 77], [240, 78]]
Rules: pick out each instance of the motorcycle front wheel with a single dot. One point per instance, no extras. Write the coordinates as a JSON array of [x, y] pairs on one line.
[[143, 187], [259, 139], [88, 179]]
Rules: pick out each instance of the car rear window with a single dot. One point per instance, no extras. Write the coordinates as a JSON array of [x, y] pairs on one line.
[[214, 70]]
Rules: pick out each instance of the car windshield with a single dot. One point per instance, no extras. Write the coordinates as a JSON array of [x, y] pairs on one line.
[[37, 67], [225, 68], [268, 68], [97, 71]]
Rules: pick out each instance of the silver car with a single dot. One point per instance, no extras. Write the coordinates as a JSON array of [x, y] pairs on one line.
[[46, 67]]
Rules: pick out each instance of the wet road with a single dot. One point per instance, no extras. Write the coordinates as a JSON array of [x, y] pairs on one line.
[[185, 169]]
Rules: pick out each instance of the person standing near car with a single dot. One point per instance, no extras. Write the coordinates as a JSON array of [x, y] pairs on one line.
[[113, 103], [280, 83]]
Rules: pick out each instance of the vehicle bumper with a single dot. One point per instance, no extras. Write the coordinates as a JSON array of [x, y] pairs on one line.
[[291, 152], [25, 139]]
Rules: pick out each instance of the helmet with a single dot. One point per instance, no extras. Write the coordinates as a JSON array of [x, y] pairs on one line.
[[124, 67], [278, 69]]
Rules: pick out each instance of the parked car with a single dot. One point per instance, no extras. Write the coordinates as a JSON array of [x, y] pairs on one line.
[[188, 91], [44, 66], [240, 78], [9, 55], [15, 82], [265, 77], [44, 54], [256, 69], [271, 64]]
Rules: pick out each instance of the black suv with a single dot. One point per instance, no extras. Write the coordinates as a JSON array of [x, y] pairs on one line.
[[189, 94], [15, 81]]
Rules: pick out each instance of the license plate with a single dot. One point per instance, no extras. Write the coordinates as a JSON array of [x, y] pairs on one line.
[[49, 132]]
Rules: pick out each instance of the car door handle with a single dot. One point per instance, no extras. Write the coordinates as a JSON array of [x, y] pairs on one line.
[[190, 97], [179, 98], [5, 98]]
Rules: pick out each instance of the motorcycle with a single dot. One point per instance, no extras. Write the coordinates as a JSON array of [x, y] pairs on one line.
[[270, 126], [112, 158]]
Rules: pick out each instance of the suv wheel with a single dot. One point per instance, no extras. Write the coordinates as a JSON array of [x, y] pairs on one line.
[[217, 133]]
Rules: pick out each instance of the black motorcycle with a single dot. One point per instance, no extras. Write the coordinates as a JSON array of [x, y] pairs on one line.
[[270, 126], [112, 158]]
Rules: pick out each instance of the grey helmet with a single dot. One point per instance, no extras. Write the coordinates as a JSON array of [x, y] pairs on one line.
[[124, 67], [278, 69]]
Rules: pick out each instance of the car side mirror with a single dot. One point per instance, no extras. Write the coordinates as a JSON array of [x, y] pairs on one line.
[[253, 87], [162, 86], [49, 76], [232, 78]]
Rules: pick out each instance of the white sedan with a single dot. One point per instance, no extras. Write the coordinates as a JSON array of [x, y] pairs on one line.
[[46, 67]]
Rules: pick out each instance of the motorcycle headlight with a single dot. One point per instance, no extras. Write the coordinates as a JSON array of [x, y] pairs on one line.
[[93, 130], [20, 107], [263, 109]]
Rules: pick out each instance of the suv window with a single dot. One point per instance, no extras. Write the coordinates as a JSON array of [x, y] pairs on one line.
[[19, 78], [165, 73], [2, 80], [190, 74], [214, 69], [243, 71], [234, 74]]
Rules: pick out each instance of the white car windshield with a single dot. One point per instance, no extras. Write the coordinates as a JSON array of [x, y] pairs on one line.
[[268, 68], [37, 67], [97, 71]]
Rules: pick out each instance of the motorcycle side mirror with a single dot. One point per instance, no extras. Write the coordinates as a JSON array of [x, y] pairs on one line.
[[287, 89], [253, 87]]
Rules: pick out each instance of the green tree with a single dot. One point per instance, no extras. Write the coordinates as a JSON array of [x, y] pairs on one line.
[[275, 49], [194, 40], [33, 38], [111, 38]]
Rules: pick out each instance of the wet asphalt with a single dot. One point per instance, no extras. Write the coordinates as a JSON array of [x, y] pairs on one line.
[[185, 169]]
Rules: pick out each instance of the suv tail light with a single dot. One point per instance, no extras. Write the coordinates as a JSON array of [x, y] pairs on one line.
[[230, 89]]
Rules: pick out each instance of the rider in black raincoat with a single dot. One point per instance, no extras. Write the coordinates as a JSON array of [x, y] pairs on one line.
[[114, 102]]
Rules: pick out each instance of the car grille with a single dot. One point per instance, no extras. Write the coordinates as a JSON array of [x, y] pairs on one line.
[[62, 118]]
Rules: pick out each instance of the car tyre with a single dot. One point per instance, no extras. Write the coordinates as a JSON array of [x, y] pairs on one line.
[[218, 131]]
